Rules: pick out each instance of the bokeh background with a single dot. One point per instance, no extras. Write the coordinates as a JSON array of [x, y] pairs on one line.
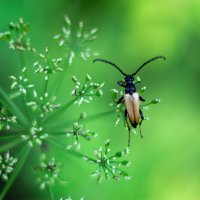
[[166, 163]]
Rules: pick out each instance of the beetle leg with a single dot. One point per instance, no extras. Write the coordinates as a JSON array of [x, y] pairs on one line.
[[121, 83], [127, 124], [120, 100], [141, 99], [137, 83], [142, 118]]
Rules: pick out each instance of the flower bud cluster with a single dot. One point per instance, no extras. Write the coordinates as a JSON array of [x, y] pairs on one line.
[[47, 65], [7, 163], [78, 131], [48, 172], [43, 104], [17, 36], [36, 135], [76, 43], [6, 119], [87, 91], [21, 84], [109, 166]]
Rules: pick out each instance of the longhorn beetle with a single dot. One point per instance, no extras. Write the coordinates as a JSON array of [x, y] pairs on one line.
[[131, 96]]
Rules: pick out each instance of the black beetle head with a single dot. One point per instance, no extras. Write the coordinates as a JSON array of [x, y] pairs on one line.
[[129, 78]]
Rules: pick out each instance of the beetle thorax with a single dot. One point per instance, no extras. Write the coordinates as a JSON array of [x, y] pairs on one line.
[[130, 87]]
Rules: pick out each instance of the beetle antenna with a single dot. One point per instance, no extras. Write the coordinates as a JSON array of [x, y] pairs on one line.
[[147, 62], [108, 62]]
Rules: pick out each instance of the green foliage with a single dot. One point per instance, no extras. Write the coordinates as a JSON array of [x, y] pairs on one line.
[[32, 109], [41, 106]]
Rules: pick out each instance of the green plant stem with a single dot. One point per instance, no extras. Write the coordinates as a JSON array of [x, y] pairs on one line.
[[22, 156], [71, 151], [61, 128], [17, 127], [51, 192], [59, 80], [10, 145], [99, 115], [22, 60], [46, 85], [57, 133], [57, 114], [25, 97], [8, 137], [10, 105], [45, 91]]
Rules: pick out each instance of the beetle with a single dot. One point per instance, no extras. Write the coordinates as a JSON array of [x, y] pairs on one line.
[[131, 97]]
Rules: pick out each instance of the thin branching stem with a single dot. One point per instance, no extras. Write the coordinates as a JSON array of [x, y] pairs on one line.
[[57, 133], [99, 115], [59, 81], [62, 148], [51, 192], [46, 86], [61, 128], [147, 104], [8, 137], [22, 59], [11, 144], [58, 113], [10, 105], [26, 97]]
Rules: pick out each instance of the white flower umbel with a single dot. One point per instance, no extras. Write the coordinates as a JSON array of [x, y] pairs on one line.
[[87, 91], [47, 65], [48, 172], [21, 84], [6, 119], [109, 166], [17, 36], [36, 135], [76, 43], [119, 108], [78, 131], [43, 104], [7, 163]]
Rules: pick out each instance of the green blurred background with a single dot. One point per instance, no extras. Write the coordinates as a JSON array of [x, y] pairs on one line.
[[166, 163]]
